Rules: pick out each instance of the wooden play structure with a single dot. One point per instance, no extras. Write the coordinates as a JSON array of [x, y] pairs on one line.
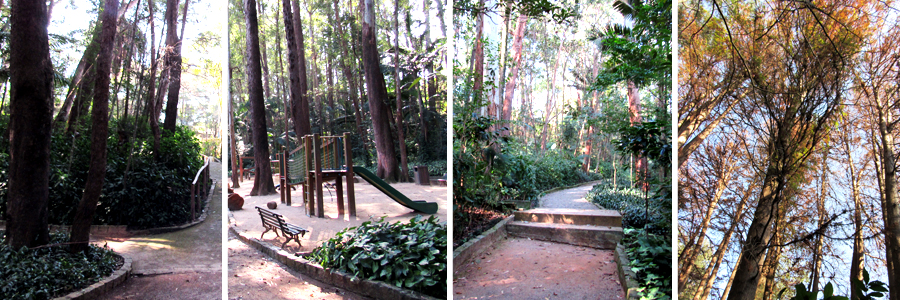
[[321, 159]]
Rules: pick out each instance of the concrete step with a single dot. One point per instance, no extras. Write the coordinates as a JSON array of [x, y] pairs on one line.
[[595, 217], [601, 237]]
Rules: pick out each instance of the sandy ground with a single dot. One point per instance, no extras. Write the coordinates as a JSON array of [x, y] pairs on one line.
[[253, 275], [518, 268], [528, 269], [371, 204]]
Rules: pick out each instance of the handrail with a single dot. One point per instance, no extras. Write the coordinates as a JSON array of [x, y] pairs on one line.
[[199, 172]]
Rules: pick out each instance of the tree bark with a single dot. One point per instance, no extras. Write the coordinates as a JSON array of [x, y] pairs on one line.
[[510, 88], [84, 215], [173, 62], [262, 181], [300, 105], [404, 167], [351, 79], [478, 53], [377, 93], [31, 112], [301, 120]]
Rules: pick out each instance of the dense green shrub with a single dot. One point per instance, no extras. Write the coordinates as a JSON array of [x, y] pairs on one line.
[[48, 272], [139, 190], [409, 255], [651, 261], [639, 210]]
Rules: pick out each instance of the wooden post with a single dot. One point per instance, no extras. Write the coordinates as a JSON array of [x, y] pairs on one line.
[[309, 192], [286, 188], [340, 196], [193, 187], [348, 161], [320, 202], [240, 170]]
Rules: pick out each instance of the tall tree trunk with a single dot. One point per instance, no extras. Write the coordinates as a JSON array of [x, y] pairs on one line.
[[31, 111], [314, 73], [706, 281], [510, 88], [173, 62], [84, 214], [377, 93], [857, 261], [770, 266], [693, 246], [351, 79], [301, 120], [891, 206], [262, 182], [404, 167], [478, 52], [300, 105], [265, 55], [232, 138]]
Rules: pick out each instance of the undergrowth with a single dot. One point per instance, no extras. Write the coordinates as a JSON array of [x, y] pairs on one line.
[[409, 255], [140, 190], [52, 271]]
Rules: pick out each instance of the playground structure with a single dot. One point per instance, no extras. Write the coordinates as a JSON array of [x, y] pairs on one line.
[[320, 159]]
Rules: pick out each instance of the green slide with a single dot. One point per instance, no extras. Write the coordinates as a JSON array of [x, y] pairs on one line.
[[384, 187]]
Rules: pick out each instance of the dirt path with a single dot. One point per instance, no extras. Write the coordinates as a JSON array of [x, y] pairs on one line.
[[253, 275], [530, 269], [570, 198], [185, 264]]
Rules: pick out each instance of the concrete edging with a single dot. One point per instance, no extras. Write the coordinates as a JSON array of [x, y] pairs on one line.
[[471, 249], [626, 276], [369, 288], [105, 285]]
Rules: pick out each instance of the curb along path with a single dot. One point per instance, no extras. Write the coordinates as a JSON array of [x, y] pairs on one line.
[[185, 264]]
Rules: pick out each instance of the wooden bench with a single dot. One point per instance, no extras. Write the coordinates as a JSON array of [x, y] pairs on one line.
[[274, 222]]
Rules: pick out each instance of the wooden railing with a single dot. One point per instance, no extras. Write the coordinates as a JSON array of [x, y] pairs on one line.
[[199, 188]]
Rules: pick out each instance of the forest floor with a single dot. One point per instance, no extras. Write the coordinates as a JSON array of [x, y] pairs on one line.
[[531, 269], [253, 275], [185, 264]]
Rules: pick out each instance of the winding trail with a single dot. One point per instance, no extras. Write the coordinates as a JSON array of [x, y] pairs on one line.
[[524, 268], [570, 198], [185, 264]]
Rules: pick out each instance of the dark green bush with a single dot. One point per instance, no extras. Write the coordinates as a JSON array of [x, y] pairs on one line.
[[651, 261], [139, 191], [639, 210], [409, 255], [48, 272]]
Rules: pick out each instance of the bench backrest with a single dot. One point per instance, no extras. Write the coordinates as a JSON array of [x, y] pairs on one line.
[[269, 218]]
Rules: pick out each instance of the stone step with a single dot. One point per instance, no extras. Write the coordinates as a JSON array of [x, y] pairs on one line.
[[595, 217], [601, 237]]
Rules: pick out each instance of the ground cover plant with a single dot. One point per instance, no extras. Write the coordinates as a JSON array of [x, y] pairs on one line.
[[51, 271], [140, 190], [410, 255]]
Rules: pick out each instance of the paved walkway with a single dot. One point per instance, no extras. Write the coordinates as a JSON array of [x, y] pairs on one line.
[[570, 198], [185, 264]]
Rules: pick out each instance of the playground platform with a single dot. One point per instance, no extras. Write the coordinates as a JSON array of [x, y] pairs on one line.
[[371, 204]]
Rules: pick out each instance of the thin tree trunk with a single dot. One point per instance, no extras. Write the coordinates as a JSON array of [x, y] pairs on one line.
[[300, 105], [706, 281], [31, 113], [510, 88], [478, 52], [262, 182], [265, 55], [353, 85], [84, 214], [404, 167]]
